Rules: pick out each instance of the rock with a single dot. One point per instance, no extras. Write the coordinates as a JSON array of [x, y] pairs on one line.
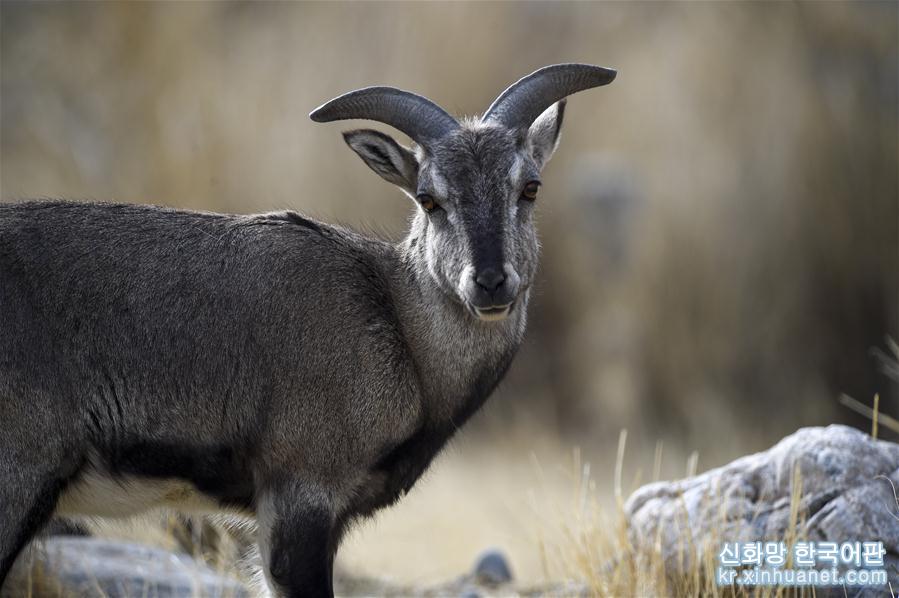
[[847, 494], [492, 569], [75, 566]]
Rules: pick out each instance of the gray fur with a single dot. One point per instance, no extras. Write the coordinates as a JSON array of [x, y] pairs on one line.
[[268, 364]]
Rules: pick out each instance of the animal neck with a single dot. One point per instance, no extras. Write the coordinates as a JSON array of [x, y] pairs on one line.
[[459, 359]]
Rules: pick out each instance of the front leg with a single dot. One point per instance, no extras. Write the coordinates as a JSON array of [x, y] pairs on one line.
[[298, 536]]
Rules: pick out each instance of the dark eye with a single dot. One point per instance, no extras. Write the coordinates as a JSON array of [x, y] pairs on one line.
[[530, 191], [427, 202]]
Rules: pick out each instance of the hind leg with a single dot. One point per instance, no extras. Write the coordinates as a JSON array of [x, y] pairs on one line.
[[28, 501], [36, 460]]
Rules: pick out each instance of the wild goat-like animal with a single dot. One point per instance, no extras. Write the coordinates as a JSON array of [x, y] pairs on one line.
[[271, 365]]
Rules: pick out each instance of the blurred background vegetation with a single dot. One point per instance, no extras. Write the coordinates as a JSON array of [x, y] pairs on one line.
[[720, 226]]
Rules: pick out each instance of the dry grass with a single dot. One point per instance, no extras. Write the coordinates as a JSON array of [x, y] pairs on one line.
[[564, 529], [559, 518], [598, 552]]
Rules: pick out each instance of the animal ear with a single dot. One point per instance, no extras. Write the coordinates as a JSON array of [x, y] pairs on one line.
[[543, 135], [393, 162]]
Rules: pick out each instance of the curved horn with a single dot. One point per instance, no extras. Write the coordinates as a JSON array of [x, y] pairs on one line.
[[416, 116], [521, 104]]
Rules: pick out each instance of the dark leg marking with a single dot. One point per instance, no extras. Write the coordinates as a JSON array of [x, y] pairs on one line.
[[301, 542]]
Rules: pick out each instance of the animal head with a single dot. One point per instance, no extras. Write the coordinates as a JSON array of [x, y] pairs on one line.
[[475, 181]]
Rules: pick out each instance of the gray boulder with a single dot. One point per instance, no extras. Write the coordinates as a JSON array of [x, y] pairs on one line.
[[847, 482], [492, 569], [77, 566]]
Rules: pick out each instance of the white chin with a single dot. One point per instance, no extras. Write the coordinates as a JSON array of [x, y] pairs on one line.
[[493, 315]]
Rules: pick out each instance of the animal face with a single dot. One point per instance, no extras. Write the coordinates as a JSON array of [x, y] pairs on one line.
[[475, 182], [479, 233], [475, 190]]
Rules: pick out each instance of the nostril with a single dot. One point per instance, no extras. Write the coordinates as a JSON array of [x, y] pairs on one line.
[[490, 279]]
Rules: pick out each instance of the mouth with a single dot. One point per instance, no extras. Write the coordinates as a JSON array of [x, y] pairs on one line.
[[494, 313]]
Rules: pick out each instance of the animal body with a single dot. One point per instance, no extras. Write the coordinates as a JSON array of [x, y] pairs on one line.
[[271, 365]]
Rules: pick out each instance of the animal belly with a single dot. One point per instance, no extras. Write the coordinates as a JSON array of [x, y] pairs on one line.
[[99, 494]]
